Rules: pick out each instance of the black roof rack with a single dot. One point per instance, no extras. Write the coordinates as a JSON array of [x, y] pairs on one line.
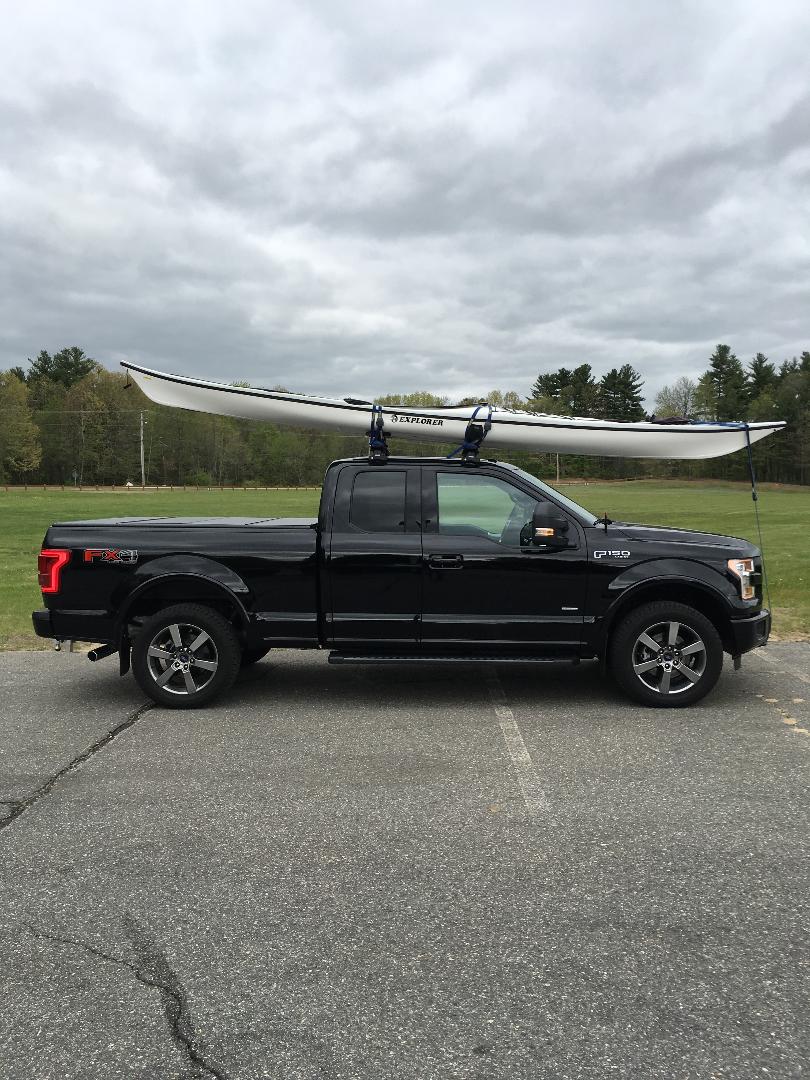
[[413, 459]]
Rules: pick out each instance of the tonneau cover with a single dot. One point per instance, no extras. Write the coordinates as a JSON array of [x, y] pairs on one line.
[[190, 523]]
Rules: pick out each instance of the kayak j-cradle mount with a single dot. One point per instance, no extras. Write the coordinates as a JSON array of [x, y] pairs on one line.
[[470, 450], [377, 440]]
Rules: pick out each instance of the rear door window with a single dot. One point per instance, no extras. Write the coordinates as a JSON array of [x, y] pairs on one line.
[[378, 501]]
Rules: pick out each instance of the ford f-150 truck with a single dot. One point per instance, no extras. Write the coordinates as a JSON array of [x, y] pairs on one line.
[[409, 561]]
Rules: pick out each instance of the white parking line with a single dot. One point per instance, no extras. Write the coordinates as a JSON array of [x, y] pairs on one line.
[[800, 675], [525, 772]]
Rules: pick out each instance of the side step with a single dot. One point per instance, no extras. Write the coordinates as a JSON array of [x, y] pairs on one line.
[[425, 658]]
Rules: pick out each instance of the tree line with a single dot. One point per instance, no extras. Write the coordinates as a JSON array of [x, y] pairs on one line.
[[65, 419]]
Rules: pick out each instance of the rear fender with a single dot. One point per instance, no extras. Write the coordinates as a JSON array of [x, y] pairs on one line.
[[195, 576]]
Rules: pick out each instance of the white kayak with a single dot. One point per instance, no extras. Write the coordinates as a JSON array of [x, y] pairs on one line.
[[510, 429]]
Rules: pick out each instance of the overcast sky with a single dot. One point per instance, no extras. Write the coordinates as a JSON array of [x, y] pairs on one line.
[[382, 196]]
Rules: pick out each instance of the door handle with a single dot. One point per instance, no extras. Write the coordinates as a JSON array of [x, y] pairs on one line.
[[446, 562]]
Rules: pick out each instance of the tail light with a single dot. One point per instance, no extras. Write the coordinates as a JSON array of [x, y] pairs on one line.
[[743, 570], [51, 561]]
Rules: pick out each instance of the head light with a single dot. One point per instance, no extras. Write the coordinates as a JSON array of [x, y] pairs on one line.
[[743, 570]]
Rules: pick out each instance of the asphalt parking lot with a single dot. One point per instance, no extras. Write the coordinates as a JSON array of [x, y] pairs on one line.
[[403, 873]]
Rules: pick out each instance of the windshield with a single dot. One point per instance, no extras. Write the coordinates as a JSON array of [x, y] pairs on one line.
[[585, 516]]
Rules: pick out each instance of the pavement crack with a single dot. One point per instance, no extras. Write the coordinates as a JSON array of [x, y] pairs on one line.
[[19, 806], [153, 971]]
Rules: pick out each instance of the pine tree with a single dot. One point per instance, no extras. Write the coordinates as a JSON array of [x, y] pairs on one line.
[[727, 379], [67, 367], [548, 385], [578, 396], [620, 395], [761, 376], [608, 400]]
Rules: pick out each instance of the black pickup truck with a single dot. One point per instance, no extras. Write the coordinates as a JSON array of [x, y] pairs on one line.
[[413, 560]]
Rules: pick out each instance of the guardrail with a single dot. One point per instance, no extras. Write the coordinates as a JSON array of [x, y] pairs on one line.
[[159, 487]]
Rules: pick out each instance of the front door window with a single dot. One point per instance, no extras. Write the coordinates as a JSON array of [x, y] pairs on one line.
[[486, 507]]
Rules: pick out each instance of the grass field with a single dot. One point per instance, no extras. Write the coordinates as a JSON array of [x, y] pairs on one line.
[[713, 507]]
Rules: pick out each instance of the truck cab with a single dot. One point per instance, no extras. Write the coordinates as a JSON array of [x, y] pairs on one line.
[[427, 554]]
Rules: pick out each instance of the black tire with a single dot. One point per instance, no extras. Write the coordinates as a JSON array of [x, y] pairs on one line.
[[253, 656], [656, 670], [168, 638]]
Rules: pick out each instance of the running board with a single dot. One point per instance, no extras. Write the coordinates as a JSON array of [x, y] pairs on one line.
[[424, 658]]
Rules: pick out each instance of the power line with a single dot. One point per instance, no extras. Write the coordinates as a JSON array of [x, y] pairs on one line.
[[75, 412]]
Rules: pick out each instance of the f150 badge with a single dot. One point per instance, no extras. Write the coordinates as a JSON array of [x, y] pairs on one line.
[[110, 555], [611, 554]]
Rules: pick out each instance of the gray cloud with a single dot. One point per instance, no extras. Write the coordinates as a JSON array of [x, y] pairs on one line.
[[346, 197]]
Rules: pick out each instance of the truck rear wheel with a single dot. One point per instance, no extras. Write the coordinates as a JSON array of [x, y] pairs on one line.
[[665, 654], [185, 656]]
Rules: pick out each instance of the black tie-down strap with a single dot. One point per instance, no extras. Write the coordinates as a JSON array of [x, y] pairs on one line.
[[377, 441], [474, 436], [755, 498]]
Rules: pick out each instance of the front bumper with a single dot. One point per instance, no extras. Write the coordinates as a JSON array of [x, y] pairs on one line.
[[750, 633]]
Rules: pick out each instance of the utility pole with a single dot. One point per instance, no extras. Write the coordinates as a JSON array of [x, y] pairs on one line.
[[558, 468], [143, 471]]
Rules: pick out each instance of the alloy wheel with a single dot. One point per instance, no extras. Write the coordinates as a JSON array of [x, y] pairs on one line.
[[182, 658], [669, 657]]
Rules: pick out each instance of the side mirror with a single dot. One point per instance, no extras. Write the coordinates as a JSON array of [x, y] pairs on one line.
[[549, 529]]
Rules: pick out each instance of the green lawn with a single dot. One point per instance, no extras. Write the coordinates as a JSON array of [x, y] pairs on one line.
[[713, 507]]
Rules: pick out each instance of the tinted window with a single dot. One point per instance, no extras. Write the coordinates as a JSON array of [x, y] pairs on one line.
[[585, 516], [378, 501], [483, 506]]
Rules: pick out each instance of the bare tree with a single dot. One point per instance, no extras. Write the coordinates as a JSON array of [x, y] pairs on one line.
[[678, 399]]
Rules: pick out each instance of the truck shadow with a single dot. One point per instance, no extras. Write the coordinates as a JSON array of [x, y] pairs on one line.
[[294, 678]]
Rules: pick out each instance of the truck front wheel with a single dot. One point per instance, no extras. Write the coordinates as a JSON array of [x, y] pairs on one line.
[[185, 656], [665, 654]]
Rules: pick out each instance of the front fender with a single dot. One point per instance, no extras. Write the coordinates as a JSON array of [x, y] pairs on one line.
[[646, 581], [683, 571]]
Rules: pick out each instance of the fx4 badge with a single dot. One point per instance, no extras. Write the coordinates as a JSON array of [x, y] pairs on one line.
[[611, 554], [110, 555]]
